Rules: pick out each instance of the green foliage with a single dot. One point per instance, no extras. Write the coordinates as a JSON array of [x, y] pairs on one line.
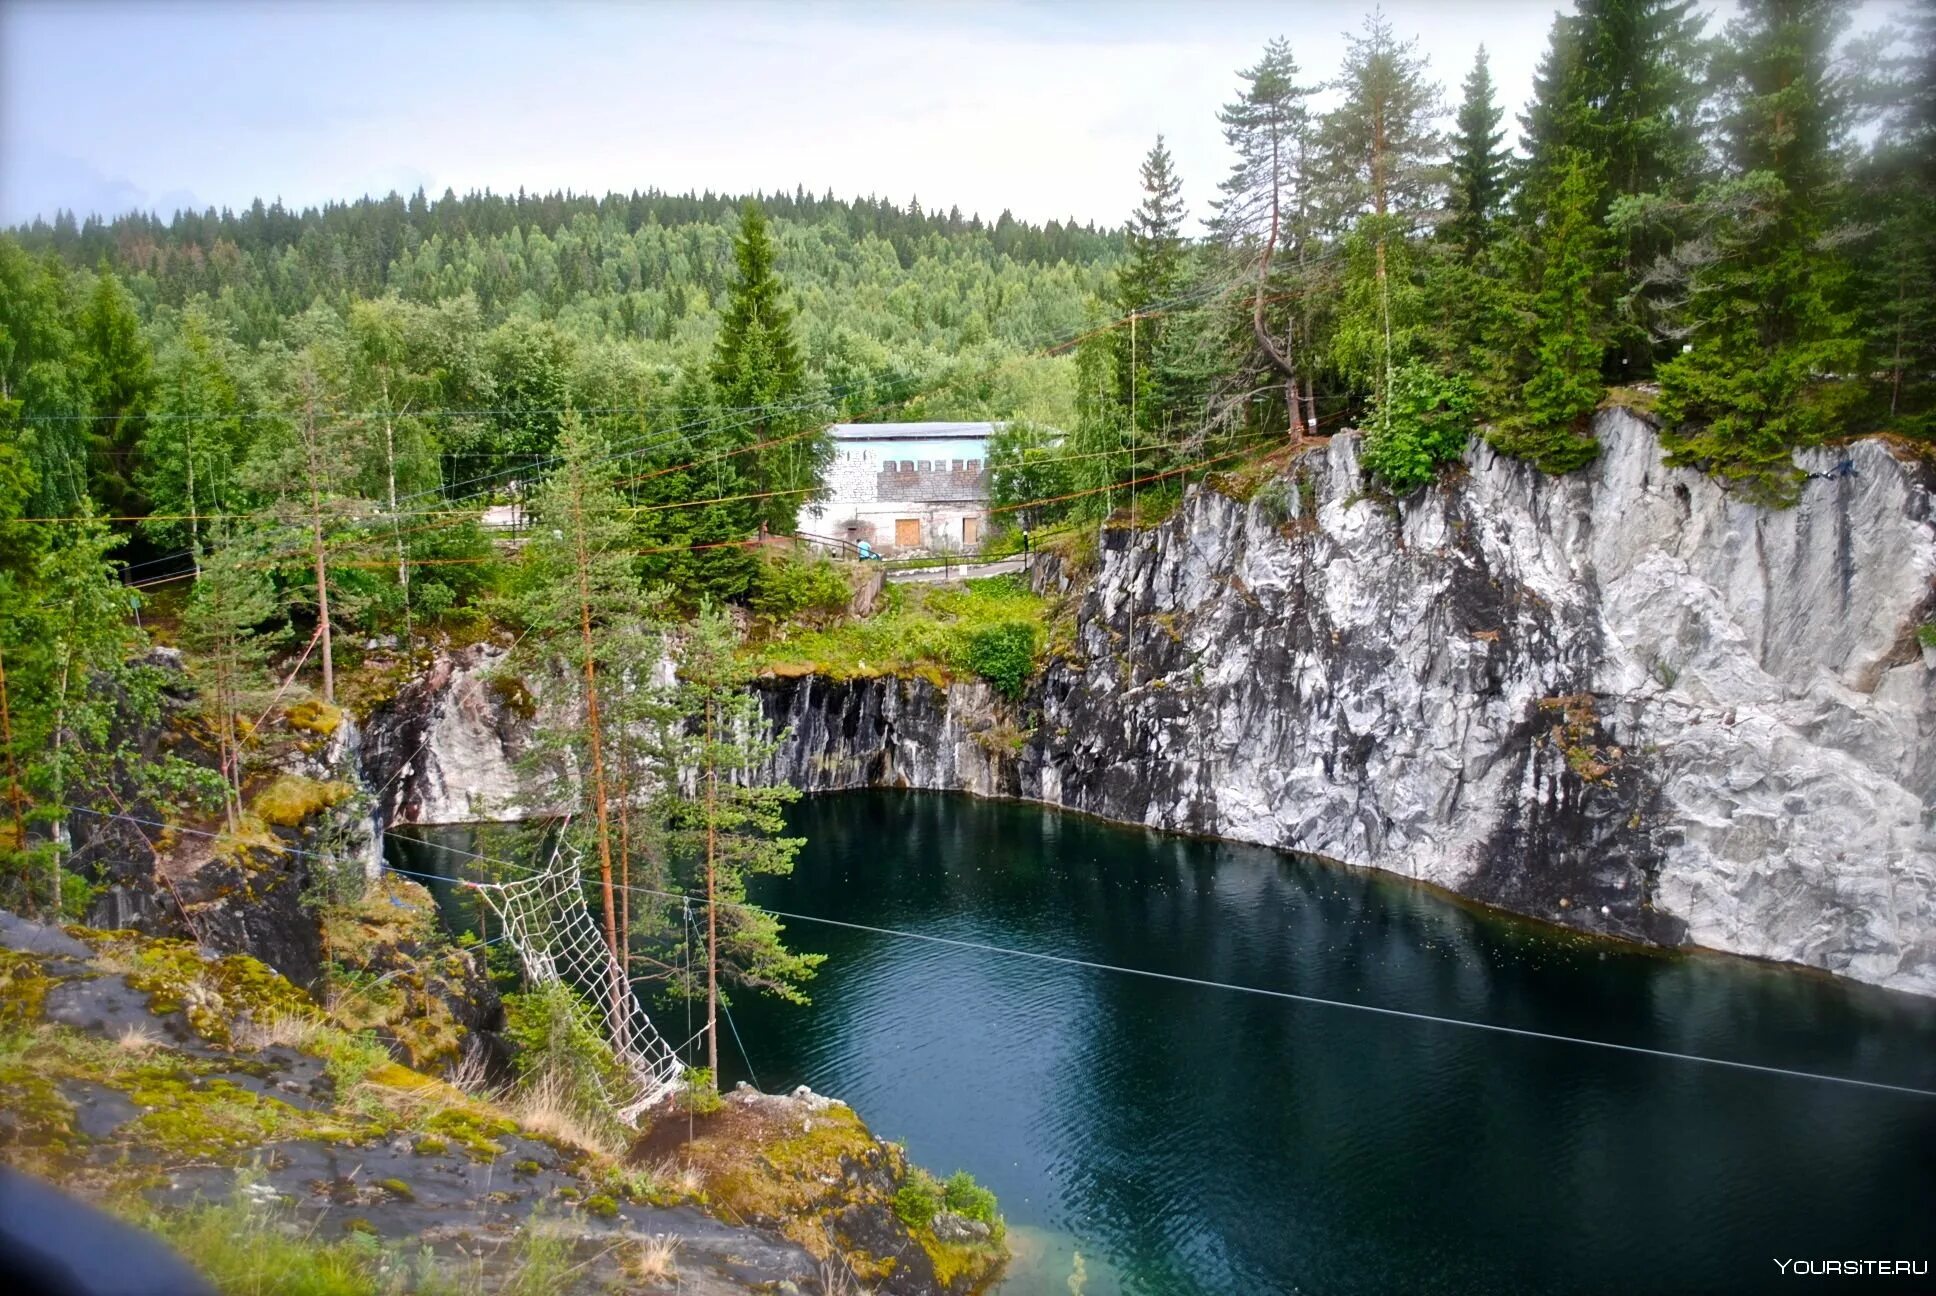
[[700, 1093], [921, 1197], [786, 589], [1026, 463], [1926, 634], [555, 1036], [1426, 421], [249, 1250], [723, 822], [1003, 654], [918, 1200], [1769, 330], [966, 1198], [1566, 326], [757, 370], [919, 630], [1478, 164], [1381, 149]]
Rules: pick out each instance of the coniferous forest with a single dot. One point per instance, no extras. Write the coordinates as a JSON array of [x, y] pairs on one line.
[[276, 417]]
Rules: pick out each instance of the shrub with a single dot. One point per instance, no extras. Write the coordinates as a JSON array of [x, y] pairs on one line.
[[1425, 420], [786, 589], [1003, 654], [1926, 634], [701, 1094], [918, 1200], [293, 798], [557, 1037], [966, 1198]]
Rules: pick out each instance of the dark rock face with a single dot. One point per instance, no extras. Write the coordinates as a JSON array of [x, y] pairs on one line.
[[892, 732]]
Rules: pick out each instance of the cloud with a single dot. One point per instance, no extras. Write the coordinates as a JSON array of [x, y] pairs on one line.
[[39, 182], [1042, 109]]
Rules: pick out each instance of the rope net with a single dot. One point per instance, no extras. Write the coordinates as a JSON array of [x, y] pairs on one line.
[[559, 943]]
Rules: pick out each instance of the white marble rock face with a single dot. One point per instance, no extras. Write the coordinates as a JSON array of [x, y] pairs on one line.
[[1622, 699]]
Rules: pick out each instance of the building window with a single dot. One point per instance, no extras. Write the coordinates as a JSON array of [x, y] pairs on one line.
[[907, 533]]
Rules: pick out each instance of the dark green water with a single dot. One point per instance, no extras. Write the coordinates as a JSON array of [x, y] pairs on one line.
[[1189, 1139]]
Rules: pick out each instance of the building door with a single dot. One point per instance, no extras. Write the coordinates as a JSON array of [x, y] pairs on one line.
[[970, 532], [907, 533]]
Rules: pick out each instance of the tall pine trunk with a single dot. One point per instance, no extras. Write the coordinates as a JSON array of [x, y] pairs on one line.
[[594, 734]]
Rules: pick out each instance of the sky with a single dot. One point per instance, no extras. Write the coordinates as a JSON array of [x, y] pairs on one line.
[[1046, 109]]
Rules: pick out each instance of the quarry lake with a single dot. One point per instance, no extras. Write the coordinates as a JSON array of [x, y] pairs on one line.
[[1154, 1136]]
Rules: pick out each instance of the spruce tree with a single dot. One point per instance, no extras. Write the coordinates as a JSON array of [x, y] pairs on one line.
[[1896, 269], [1151, 277], [759, 382], [1768, 340], [1479, 166], [1566, 327], [118, 374], [1621, 83]]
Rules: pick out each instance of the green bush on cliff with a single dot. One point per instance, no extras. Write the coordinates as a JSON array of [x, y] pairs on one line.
[[987, 627], [919, 1200], [1002, 654], [966, 1198], [558, 1041], [788, 590], [1424, 419]]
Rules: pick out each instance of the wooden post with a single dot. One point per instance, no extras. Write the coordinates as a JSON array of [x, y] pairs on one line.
[[310, 454]]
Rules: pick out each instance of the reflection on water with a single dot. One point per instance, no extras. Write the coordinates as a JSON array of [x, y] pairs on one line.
[[1184, 1139]]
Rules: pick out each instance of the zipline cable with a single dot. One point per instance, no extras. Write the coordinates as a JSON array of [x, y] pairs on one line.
[[1064, 960]]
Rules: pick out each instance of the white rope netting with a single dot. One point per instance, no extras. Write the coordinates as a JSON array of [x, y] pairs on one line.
[[559, 943]]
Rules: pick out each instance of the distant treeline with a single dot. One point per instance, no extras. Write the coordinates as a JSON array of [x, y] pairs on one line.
[[557, 248]]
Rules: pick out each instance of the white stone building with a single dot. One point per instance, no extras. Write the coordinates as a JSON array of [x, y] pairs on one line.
[[906, 488]]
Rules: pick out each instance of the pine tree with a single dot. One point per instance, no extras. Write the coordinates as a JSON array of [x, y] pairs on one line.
[[583, 607], [1768, 337], [1383, 160], [1381, 147], [1479, 166], [1266, 207], [229, 629], [724, 821]]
